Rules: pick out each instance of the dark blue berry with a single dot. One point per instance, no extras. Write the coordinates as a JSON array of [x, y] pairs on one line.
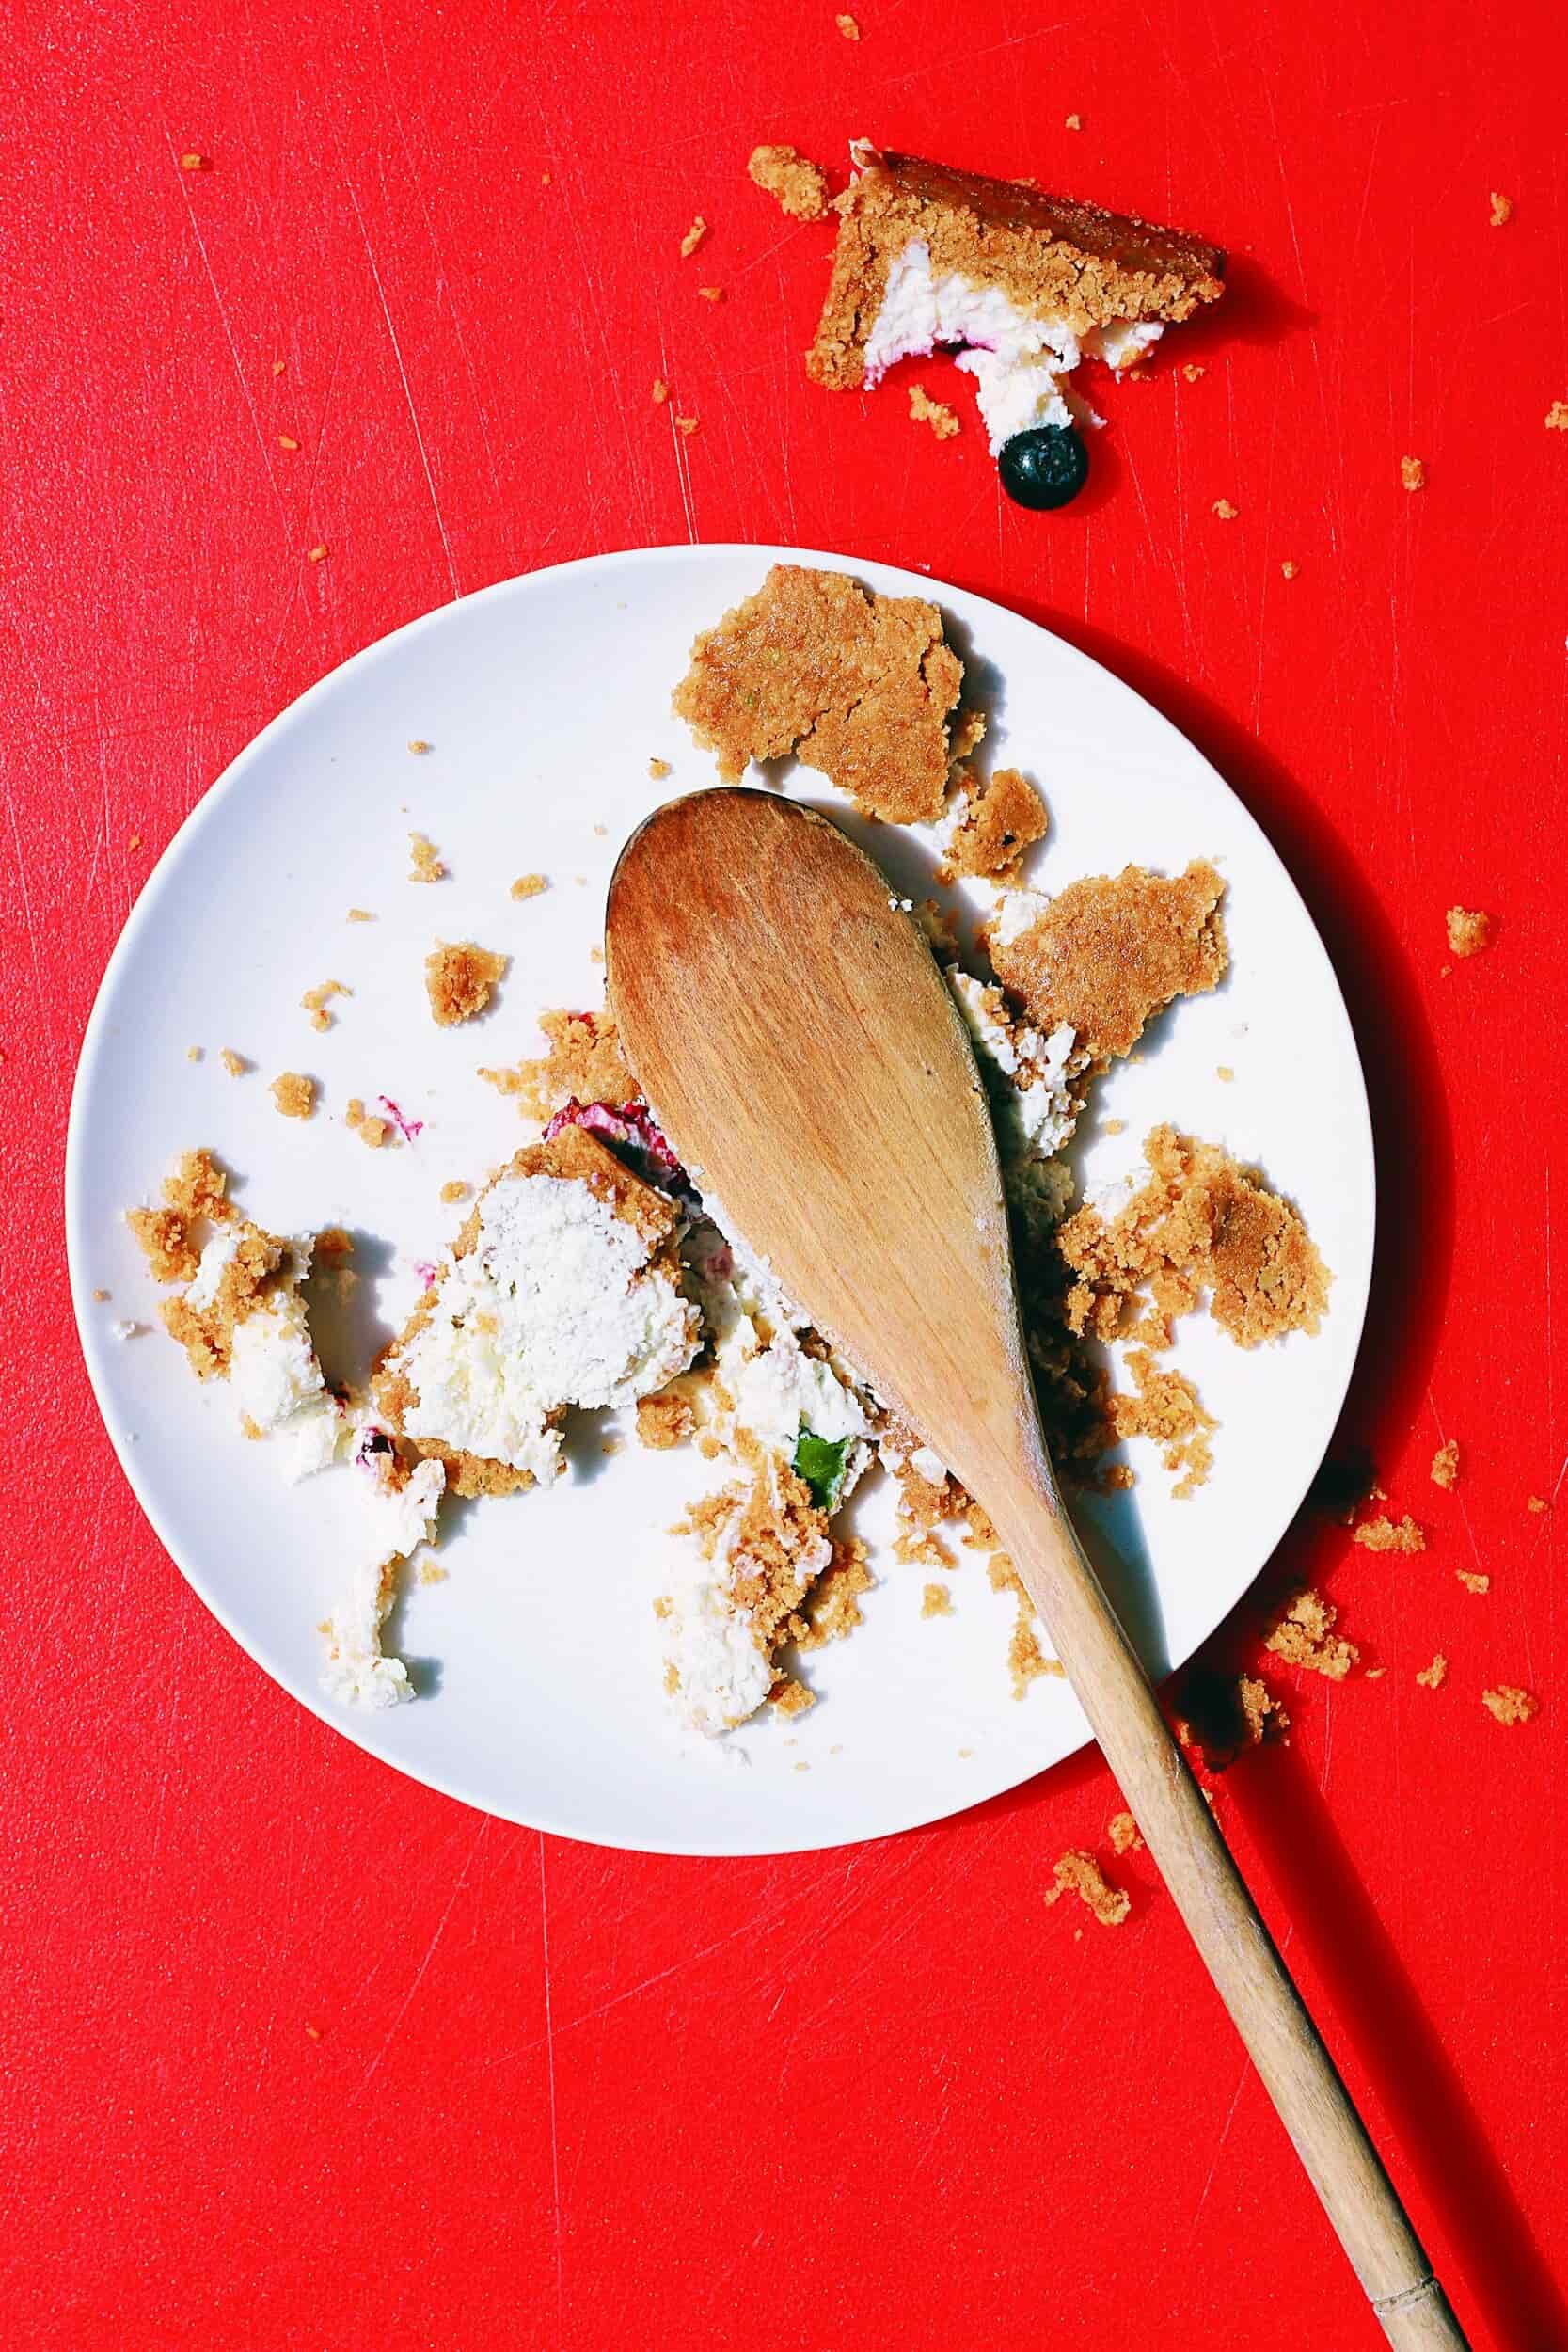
[[1044, 467]]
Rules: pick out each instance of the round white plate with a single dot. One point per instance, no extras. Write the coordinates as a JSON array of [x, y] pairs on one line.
[[544, 700]]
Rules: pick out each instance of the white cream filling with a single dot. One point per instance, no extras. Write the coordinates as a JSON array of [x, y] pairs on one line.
[[557, 1305], [715, 1645], [274, 1378], [1035, 1113], [1020, 359], [357, 1673]]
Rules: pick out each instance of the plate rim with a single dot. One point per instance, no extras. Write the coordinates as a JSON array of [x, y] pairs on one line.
[[144, 910]]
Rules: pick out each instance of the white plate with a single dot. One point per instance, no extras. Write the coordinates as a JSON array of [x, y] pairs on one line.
[[544, 699]]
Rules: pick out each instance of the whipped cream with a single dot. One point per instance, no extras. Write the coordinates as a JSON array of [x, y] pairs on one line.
[[1036, 1113], [357, 1673], [273, 1376], [1021, 360]]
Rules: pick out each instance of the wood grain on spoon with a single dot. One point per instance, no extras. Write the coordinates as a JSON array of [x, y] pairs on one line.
[[799, 1048]]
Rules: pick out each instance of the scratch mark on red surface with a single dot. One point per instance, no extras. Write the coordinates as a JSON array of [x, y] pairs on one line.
[[555, 2135], [1219, 2148], [407, 387], [1458, 1490], [228, 332], [458, 1884]]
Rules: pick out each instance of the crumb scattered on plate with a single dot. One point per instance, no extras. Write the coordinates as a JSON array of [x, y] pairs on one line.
[[294, 1095], [455, 1189], [1106, 954], [1386, 1535], [936, 1602], [427, 865], [664, 1421], [460, 980], [1078, 1873], [234, 1063], [369, 1129], [316, 1000], [1509, 1704], [659, 768], [994, 823], [530, 885]]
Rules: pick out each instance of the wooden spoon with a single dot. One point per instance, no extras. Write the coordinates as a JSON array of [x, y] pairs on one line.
[[799, 1048]]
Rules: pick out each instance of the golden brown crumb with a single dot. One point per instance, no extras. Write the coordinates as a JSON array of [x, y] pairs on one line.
[[997, 821], [1288, 569], [1374, 1674], [460, 979], [1445, 1464], [419, 746], [286, 440], [832, 1607], [359, 914], [1412, 473], [375, 1132], [167, 1247], [193, 162], [661, 391], [584, 1059], [427, 865], [1468, 932], [790, 1699], [693, 237], [685, 424], [1166, 1409], [529, 885], [316, 554], [1124, 1835], [659, 768], [1556, 416], [1225, 509], [1509, 1704], [1202, 1223], [192, 1052], [1026, 1661], [942, 420], [278, 366], [664, 1421], [196, 1187], [664, 1606], [711, 294], [936, 1602], [1192, 370], [1072, 122], [294, 1095], [315, 1001], [432, 1572], [1473, 1580], [1382, 1534], [1537, 1503], [455, 1190], [798, 188], [1224, 1074], [1223, 1715], [1304, 1636], [1502, 209], [848, 27], [1106, 954], [1434, 1677], [857, 685], [135, 842], [1078, 1873], [234, 1063], [207, 1334], [102, 1297], [313, 2032]]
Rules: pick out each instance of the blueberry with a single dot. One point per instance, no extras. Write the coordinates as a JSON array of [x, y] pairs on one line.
[[1044, 467]]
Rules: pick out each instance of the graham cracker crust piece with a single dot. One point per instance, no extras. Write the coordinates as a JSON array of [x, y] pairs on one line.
[[998, 819], [1051, 255], [857, 685], [196, 1190], [1203, 1223], [1509, 1704], [460, 980], [1220, 1716], [1386, 1535], [1445, 1464], [1106, 954], [1078, 1873], [583, 1061], [1303, 1635], [798, 188], [664, 1421]]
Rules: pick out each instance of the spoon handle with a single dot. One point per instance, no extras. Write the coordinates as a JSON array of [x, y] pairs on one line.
[[1235, 1946]]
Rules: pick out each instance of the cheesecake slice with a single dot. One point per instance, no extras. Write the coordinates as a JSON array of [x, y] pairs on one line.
[[1022, 285]]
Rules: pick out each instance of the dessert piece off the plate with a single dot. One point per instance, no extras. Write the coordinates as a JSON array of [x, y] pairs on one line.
[[1022, 285], [562, 1289]]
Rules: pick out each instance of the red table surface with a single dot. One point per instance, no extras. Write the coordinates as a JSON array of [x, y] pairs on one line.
[[297, 2054]]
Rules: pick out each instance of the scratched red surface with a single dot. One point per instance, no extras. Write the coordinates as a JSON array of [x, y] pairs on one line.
[[297, 2054]]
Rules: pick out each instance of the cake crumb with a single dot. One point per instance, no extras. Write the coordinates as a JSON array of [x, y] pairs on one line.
[[832, 1610], [664, 1421], [1445, 1464], [711, 294], [942, 420], [315, 1002], [460, 980], [427, 865], [1223, 1715], [1124, 1834], [193, 162], [529, 885], [996, 822], [101, 1299], [135, 842], [432, 1572], [1304, 1636], [1556, 416], [1226, 511], [286, 440], [660, 392], [1166, 1409], [1509, 1704], [1412, 473], [1469, 931], [583, 1061], [455, 1189], [848, 27], [1473, 1579], [369, 1130], [1115, 1126], [1502, 209], [419, 746], [1075, 122], [659, 768], [192, 1052], [1537, 1503], [1434, 1677], [359, 914], [1078, 1873], [316, 554], [936, 1602], [1193, 369], [1288, 569], [1107, 953], [693, 237], [1224, 1074], [685, 424], [234, 1063], [294, 1095], [1384, 1534], [797, 188]]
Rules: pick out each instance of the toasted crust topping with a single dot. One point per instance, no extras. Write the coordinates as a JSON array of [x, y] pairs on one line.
[[584, 1059], [998, 820], [1108, 953]]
